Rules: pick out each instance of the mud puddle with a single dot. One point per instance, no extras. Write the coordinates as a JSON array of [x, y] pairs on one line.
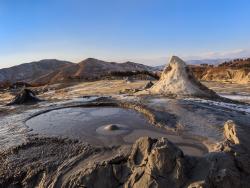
[[88, 125]]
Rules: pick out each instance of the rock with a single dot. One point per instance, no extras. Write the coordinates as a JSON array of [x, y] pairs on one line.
[[159, 163], [238, 145], [223, 171], [151, 163], [26, 96], [156, 163], [230, 168], [148, 85], [230, 132], [177, 79]]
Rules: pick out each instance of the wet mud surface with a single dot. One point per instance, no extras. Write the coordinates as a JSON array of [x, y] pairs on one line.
[[202, 119], [86, 124], [83, 124]]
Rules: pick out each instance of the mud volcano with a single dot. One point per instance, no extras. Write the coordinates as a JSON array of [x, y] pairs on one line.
[[26, 96], [177, 79], [102, 126]]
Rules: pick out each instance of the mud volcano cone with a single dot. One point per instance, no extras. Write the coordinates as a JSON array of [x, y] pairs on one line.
[[177, 79], [26, 96]]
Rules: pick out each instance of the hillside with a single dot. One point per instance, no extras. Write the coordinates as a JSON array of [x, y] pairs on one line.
[[30, 71], [89, 69], [235, 71]]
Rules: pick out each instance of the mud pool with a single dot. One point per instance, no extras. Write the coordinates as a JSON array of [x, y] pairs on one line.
[[86, 124]]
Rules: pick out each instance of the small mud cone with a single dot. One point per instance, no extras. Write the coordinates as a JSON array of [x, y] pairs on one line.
[[26, 96]]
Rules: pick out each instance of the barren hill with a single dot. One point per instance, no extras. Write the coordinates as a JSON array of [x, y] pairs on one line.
[[53, 71], [30, 71]]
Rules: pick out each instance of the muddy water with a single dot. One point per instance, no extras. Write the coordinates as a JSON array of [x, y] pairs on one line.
[[85, 123]]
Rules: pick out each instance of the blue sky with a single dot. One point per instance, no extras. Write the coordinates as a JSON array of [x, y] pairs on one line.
[[140, 30]]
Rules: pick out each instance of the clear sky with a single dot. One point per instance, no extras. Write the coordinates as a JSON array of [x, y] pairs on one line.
[[121, 30]]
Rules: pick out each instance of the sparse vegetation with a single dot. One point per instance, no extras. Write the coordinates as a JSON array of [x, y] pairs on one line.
[[236, 63]]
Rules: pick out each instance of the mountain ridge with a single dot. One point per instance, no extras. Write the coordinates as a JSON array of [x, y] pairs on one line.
[[52, 70], [90, 69]]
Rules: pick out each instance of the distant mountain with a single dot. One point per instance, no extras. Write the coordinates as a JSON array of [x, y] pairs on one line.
[[89, 69], [197, 62], [52, 71], [29, 71], [207, 61], [159, 68]]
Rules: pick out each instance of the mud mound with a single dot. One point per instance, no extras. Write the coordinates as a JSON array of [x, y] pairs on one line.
[[26, 96], [177, 79]]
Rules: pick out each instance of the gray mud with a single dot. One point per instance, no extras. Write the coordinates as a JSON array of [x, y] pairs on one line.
[[201, 120], [30, 160], [82, 123]]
